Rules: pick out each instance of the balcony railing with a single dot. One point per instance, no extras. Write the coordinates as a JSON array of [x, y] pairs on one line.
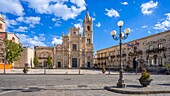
[[155, 50]]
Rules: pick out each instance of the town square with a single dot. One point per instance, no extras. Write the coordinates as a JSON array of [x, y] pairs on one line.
[[84, 48]]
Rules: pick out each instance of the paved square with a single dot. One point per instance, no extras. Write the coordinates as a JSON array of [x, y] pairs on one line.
[[71, 85]]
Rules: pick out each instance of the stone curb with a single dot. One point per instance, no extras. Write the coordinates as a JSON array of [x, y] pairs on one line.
[[133, 92], [36, 74]]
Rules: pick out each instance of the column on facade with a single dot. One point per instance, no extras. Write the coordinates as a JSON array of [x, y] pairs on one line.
[[157, 62]]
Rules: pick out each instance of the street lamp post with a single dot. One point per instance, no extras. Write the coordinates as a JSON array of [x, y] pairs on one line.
[[44, 64], [4, 61], [121, 36], [5, 53]]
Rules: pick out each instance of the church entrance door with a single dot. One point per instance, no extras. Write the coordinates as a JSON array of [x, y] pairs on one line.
[[74, 62]]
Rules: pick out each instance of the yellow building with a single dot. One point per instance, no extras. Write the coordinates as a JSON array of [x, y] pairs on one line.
[[76, 49], [153, 50]]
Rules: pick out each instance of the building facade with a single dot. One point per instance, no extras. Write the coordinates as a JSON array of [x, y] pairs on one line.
[[26, 58], [153, 50], [5, 35], [75, 51]]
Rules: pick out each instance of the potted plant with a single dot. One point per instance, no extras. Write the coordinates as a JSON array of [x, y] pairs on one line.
[[145, 78], [103, 70], [167, 72], [25, 70]]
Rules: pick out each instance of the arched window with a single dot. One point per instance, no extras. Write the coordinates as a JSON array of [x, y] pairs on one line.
[[88, 28], [160, 46], [150, 47], [44, 55], [13, 39], [0, 26]]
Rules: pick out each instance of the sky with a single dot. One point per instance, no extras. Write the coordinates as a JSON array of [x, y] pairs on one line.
[[42, 22]]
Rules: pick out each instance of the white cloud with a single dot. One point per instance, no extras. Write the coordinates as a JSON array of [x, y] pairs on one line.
[[13, 22], [148, 8], [149, 32], [164, 24], [58, 7], [79, 25], [93, 19], [57, 41], [53, 19], [144, 26], [98, 24], [124, 3], [79, 3], [57, 22], [29, 20], [9, 23], [112, 12], [21, 29], [12, 7], [31, 41]]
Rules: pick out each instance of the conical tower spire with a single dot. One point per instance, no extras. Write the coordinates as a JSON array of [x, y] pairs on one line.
[[87, 17]]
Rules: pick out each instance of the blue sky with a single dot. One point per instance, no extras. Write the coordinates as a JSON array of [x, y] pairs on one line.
[[42, 22]]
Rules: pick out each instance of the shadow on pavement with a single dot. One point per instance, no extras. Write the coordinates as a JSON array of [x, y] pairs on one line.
[[135, 86], [168, 84], [30, 89], [35, 89]]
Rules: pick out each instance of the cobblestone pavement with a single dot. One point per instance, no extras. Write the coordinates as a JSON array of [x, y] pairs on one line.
[[70, 85]]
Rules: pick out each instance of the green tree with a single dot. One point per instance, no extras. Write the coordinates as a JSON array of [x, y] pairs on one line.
[[35, 61], [13, 51], [49, 61]]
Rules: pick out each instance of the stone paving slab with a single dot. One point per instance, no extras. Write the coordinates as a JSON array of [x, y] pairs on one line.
[[137, 89]]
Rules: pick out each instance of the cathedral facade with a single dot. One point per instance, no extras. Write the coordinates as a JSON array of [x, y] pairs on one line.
[[76, 50]]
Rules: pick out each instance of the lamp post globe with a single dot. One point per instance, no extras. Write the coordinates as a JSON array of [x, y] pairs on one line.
[[127, 31], [120, 23], [113, 33]]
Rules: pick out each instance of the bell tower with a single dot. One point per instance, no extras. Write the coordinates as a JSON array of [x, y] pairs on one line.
[[2, 24], [88, 28], [88, 40]]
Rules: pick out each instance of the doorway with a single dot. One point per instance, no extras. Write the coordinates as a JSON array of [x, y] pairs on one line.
[[74, 62], [59, 64], [88, 64]]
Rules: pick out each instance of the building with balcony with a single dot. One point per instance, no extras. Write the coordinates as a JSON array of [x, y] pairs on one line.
[[153, 50]]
